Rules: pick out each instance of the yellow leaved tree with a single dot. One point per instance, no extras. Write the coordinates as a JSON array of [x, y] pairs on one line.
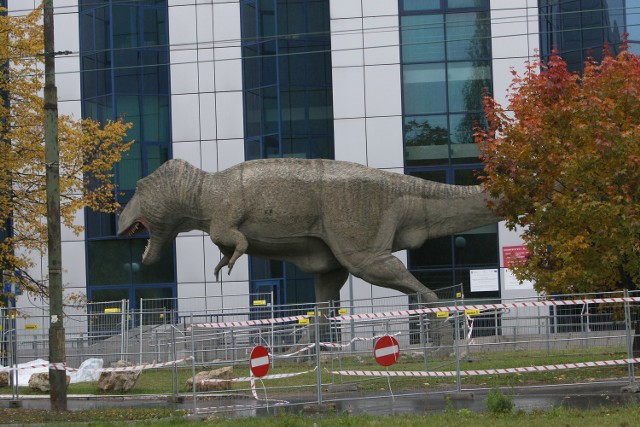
[[88, 150]]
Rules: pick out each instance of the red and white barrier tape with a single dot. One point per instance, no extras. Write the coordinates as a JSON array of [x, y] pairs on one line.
[[256, 322], [19, 368], [429, 310], [284, 356], [252, 378], [64, 367], [336, 345], [326, 345], [403, 313], [476, 372], [145, 366]]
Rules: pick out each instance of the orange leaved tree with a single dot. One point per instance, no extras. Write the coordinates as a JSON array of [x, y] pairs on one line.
[[88, 149], [564, 159]]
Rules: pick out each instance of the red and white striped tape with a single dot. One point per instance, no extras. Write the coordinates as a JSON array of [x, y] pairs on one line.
[[336, 345], [326, 345], [256, 322], [42, 365], [145, 366], [476, 372], [64, 367], [284, 356], [404, 313], [251, 378]]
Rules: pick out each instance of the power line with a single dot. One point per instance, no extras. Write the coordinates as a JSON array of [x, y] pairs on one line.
[[218, 45], [232, 44], [513, 19]]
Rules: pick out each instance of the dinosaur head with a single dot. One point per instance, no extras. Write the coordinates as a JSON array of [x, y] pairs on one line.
[[157, 206]]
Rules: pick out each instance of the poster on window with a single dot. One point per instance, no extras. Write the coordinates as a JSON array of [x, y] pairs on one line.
[[510, 256], [484, 280]]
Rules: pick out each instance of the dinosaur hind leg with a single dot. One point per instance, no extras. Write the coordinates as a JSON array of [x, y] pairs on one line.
[[328, 285], [387, 271]]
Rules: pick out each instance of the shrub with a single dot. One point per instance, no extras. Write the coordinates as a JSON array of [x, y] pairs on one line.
[[498, 402]]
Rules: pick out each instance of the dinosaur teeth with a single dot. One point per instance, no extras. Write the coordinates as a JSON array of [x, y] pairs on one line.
[[146, 249], [134, 229]]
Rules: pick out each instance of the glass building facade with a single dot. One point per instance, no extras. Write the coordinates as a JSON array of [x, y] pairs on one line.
[[288, 106], [125, 73], [446, 68], [580, 29]]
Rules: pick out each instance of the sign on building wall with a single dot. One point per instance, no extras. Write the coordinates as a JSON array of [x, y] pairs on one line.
[[510, 256], [484, 280]]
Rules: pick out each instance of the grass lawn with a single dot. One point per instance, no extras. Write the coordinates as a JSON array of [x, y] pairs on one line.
[[626, 416]]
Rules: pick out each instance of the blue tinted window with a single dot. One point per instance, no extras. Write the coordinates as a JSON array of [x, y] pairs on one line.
[[426, 140], [468, 36], [467, 81], [424, 88], [125, 73], [287, 76], [455, 4], [118, 262], [288, 101], [422, 38], [446, 54], [420, 5], [581, 29], [129, 170]]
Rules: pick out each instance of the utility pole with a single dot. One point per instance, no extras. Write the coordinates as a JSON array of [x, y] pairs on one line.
[[57, 377]]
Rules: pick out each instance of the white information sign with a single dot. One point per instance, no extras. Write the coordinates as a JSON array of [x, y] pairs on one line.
[[511, 283], [484, 280]]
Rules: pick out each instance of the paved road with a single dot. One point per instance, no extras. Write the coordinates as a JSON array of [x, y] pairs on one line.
[[383, 403]]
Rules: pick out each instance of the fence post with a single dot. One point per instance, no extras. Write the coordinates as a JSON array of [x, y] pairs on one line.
[[140, 329], [627, 323], [352, 310], [316, 322], [457, 342], [273, 334], [13, 355], [174, 369], [193, 366], [423, 341], [122, 329], [548, 333]]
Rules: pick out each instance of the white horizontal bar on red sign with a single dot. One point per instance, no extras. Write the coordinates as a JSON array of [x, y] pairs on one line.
[[477, 372], [256, 322], [429, 310], [386, 351], [259, 361]]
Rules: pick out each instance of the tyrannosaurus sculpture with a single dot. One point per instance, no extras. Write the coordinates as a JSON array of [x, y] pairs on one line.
[[328, 217]]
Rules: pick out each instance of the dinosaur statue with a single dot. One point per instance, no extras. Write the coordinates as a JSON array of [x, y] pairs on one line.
[[328, 217]]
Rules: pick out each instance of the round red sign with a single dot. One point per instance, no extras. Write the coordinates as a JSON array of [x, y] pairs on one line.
[[259, 361], [386, 350]]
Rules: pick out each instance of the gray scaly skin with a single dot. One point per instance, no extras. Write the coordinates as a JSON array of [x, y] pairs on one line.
[[328, 217]]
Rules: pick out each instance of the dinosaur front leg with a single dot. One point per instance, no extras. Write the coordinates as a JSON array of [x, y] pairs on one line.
[[230, 238], [224, 261]]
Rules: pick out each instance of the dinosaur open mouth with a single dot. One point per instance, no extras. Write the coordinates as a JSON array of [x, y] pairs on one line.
[[139, 226], [135, 228]]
